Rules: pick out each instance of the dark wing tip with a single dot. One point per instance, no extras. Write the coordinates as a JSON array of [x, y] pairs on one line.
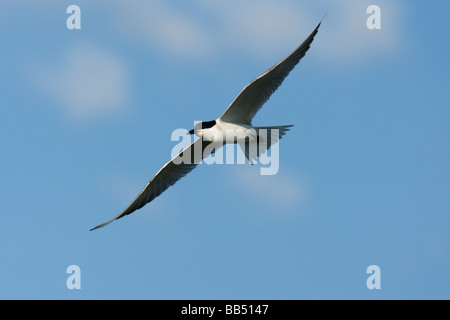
[[320, 23], [101, 225]]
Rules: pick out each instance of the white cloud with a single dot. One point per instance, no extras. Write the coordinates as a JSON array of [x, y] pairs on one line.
[[260, 28], [256, 27], [283, 190], [161, 25], [87, 83]]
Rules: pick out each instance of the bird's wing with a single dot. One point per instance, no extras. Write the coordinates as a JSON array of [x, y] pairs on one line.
[[167, 176], [254, 95]]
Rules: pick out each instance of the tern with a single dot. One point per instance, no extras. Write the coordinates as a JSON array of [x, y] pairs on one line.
[[236, 118]]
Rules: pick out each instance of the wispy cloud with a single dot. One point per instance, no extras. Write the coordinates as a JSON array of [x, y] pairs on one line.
[[163, 26], [87, 83], [283, 190], [259, 27]]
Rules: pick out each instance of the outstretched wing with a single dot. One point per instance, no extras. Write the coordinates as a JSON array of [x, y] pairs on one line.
[[167, 176], [254, 95]]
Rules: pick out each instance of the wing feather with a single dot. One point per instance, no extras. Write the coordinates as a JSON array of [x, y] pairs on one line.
[[254, 95], [167, 176]]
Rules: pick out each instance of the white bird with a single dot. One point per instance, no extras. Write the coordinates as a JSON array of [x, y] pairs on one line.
[[212, 134]]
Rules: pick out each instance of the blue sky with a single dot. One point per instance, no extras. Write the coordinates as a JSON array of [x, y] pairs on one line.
[[87, 117]]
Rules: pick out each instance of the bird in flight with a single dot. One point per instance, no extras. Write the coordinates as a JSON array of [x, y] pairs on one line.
[[237, 118]]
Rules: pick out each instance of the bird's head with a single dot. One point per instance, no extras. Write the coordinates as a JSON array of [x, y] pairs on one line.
[[201, 126]]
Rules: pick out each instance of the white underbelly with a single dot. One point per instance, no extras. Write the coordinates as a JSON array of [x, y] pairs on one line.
[[236, 133]]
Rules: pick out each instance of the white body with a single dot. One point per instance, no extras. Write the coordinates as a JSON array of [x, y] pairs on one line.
[[227, 132]]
